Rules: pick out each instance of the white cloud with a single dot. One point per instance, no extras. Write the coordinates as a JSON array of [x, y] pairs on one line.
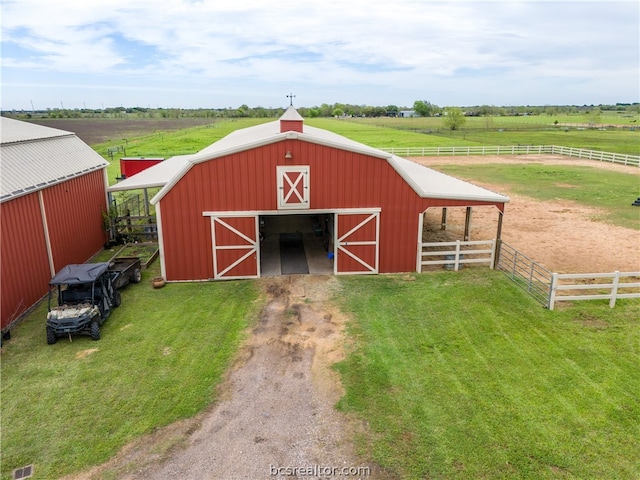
[[378, 52]]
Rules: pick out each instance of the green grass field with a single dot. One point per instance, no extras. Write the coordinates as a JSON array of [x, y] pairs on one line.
[[462, 376], [161, 356], [522, 130]]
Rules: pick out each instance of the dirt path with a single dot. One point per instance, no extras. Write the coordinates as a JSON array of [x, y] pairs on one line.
[[276, 409]]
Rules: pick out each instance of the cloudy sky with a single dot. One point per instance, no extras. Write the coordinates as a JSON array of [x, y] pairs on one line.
[[225, 53]]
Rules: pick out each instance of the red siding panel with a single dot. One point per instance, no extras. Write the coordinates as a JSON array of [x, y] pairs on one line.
[[24, 265], [246, 181], [74, 217]]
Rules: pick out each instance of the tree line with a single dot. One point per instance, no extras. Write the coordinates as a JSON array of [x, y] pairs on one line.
[[422, 108]]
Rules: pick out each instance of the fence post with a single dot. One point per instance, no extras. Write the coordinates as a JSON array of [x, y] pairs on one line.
[[552, 292], [614, 289], [457, 257]]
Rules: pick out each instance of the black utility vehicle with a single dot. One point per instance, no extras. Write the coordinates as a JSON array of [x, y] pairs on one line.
[[85, 294]]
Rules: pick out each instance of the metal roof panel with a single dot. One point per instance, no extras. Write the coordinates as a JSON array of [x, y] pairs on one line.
[[31, 165]]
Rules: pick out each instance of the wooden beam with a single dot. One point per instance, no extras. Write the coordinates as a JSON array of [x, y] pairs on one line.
[[467, 225]]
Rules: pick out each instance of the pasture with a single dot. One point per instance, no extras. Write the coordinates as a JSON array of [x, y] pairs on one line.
[[612, 133]]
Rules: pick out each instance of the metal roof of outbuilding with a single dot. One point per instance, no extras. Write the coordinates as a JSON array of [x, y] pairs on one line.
[[33, 157], [426, 182]]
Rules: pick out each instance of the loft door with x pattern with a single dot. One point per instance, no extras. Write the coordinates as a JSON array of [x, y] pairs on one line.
[[293, 187]]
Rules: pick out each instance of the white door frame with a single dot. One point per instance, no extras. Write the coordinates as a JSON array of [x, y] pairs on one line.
[[342, 243], [298, 188], [252, 245], [372, 212]]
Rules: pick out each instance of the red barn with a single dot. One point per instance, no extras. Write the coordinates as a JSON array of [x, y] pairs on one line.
[[53, 193], [214, 206]]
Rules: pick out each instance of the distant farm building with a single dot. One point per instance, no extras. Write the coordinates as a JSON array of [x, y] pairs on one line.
[[270, 191], [52, 196]]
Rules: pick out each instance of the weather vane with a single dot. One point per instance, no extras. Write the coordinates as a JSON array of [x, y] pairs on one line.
[[291, 96]]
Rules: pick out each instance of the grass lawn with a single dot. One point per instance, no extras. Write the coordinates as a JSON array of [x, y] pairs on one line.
[[463, 376], [66, 407], [490, 131], [380, 136], [612, 192], [165, 144]]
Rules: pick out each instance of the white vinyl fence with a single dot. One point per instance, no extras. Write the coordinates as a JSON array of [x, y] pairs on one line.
[[632, 160], [462, 253], [612, 286], [546, 287]]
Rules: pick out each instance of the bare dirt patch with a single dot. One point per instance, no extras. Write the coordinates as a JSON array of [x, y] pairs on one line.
[[98, 130], [559, 234], [275, 409]]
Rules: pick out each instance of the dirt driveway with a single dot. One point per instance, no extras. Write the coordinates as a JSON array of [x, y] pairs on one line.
[[276, 407], [277, 410]]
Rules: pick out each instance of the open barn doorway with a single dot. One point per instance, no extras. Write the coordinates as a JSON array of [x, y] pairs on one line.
[[296, 244]]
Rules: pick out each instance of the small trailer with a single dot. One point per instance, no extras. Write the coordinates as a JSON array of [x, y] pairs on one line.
[[128, 270]]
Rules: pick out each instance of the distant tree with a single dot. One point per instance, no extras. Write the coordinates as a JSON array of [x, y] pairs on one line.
[[424, 108], [454, 118], [393, 109], [594, 117], [337, 112]]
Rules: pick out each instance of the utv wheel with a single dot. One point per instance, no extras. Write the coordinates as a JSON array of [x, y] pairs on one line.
[[95, 331], [117, 299], [51, 336], [137, 276]]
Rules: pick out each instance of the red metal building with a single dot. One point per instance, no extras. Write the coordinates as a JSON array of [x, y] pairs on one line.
[[129, 166], [211, 206], [53, 193]]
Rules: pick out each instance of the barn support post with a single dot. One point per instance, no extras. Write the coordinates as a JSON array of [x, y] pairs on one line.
[[146, 202], [498, 240], [467, 225], [419, 252], [443, 223]]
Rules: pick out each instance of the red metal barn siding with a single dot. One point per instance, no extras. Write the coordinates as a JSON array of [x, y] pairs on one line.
[[24, 265], [246, 181], [74, 217], [240, 182]]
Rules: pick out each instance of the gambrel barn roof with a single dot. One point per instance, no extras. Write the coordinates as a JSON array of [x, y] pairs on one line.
[[426, 182], [33, 157]]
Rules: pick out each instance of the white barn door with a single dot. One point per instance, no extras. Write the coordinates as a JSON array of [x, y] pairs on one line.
[[357, 243], [235, 242]]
